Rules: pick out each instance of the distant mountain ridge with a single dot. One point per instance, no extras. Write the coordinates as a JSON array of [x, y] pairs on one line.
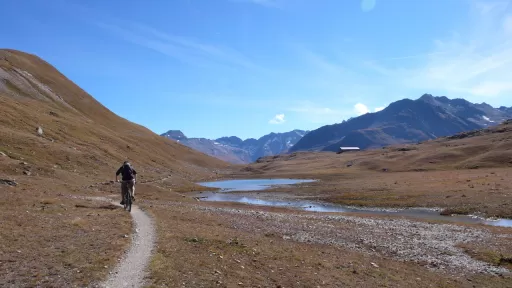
[[235, 150], [405, 121]]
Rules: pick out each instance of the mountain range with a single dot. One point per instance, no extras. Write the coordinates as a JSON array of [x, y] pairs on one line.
[[235, 150], [405, 121]]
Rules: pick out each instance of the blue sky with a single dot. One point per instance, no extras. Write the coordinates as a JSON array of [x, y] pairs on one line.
[[215, 68]]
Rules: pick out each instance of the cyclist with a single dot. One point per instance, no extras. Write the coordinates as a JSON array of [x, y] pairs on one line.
[[129, 177]]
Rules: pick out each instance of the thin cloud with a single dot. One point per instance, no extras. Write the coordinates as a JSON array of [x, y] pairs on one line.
[[378, 109], [368, 5], [216, 51], [278, 119], [474, 64], [408, 57], [331, 78], [318, 114], [490, 88], [266, 3], [184, 49], [335, 82], [507, 24]]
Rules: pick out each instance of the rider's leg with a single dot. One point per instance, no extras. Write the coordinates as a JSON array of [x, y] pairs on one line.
[[131, 188], [124, 189]]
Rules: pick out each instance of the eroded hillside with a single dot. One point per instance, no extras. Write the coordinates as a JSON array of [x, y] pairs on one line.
[[79, 134]]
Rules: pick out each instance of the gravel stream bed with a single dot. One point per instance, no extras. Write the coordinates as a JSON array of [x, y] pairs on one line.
[[432, 245]]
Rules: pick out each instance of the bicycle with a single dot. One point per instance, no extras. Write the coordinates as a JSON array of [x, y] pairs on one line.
[[127, 199]]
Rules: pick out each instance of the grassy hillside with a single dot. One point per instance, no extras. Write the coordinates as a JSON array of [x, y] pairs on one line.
[[48, 237], [78, 132], [484, 148]]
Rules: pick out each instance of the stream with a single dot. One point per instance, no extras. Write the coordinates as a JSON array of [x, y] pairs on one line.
[[228, 189]]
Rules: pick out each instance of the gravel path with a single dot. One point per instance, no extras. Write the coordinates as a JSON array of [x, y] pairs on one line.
[[131, 269]]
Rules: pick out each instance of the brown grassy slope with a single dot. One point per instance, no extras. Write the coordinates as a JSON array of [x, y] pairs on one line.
[[46, 238], [50, 241], [486, 148], [438, 173], [79, 133]]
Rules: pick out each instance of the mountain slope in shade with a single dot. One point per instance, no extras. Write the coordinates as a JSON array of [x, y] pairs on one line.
[[235, 150], [506, 109], [404, 121], [489, 147], [175, 135]]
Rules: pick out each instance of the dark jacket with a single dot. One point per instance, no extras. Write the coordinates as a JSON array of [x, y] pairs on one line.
[[125, 171]]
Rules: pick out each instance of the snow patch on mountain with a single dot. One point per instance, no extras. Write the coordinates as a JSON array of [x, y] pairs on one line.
[[235, 150], [487, 119]]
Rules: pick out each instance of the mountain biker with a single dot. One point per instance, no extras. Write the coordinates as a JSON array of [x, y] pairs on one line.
[[129, 177]]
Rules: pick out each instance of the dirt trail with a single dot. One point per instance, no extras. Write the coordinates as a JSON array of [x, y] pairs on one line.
[[131, 269]]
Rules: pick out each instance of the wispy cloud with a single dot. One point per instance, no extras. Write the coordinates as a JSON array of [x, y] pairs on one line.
[[507, 24], [337, 85], [368, 5], [473, 64], [332, 78], [184, 49], [416, 56], [319, 114], [267, 3], [278, 119]]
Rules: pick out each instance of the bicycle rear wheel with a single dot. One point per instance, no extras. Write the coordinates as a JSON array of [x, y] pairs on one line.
[[125, 200], [125, 204], [129, 201]]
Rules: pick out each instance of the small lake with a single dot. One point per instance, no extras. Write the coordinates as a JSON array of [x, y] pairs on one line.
[[251, 184], [229, 186]]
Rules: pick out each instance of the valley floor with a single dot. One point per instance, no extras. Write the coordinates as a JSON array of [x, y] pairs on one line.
[[51, 239], [235, 245], [482, 191]]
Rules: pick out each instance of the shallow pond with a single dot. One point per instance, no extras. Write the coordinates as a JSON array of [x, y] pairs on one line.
[[316, 206], [251, 184]]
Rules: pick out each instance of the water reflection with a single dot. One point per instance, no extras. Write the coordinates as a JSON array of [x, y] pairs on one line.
[[314, 206], [251, 184]]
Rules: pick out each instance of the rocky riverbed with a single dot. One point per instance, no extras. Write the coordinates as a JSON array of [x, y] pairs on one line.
[[433, 245]]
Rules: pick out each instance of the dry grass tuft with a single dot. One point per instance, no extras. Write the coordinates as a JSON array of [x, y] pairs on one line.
[[110, 207], [50, 201], [80, 222], [480, 251]]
